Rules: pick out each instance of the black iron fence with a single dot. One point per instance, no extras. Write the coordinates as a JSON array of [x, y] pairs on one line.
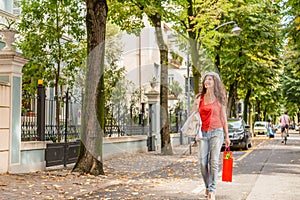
[[43, 120], [38, 121], [176, 119]]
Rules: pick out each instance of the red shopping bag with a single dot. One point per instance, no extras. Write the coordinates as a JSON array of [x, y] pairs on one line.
[[227, 165]]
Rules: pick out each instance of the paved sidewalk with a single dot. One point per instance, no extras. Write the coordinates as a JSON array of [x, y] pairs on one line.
[[153, 176], [139, 176]]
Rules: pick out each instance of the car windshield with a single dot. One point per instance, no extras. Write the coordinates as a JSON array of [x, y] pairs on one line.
[[233, 124], [259, 125]]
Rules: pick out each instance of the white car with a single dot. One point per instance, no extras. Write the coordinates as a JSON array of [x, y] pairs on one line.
[[260, 128]]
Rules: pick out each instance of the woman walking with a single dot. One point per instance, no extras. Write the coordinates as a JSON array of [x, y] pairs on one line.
[[212, 109]]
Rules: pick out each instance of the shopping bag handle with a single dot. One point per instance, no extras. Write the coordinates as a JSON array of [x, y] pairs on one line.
[[227, 149]]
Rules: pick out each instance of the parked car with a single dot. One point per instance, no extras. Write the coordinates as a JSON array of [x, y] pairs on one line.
[[260, 128], [239, 134]]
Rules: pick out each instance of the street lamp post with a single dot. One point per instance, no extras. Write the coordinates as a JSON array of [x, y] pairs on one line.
[[236, 30]]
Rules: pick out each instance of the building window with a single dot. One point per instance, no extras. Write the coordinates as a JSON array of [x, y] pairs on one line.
[[156, 70], [16, 7], [191, 84]]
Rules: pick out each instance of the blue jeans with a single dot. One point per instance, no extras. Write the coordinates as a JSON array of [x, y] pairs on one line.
[[208, 156]]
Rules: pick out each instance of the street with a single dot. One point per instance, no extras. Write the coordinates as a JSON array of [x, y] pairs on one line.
[[269, 170]]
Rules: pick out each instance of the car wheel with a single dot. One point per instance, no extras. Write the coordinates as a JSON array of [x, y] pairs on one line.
[[247, 145]]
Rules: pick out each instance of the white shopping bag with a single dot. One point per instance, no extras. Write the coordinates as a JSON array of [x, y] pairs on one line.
[[192, 126]]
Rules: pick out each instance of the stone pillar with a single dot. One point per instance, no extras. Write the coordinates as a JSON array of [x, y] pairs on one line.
[[4, 124], [154, 120], [11, 64]]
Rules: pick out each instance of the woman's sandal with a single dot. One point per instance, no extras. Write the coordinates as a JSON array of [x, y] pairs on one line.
[[212, 196], [206, 193]]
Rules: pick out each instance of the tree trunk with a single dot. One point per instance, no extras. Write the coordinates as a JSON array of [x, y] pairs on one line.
[[166, 146], [196, 69], [246, 104], [298, 116], [193, 44], [257, 110], [231, 98], [217, 58], [90, 153]]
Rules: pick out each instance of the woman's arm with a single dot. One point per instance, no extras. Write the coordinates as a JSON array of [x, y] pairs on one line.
[[225, 127]]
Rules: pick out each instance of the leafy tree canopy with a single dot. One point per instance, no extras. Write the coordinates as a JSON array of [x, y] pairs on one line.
[[51, 37]]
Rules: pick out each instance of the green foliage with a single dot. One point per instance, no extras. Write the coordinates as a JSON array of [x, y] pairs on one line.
[[126, 15], [133, 12], [251, 61], [175, 88], [114, 75], [291, 73], [53, 39]]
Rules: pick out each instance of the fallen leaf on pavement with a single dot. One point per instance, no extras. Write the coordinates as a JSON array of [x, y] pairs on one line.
[[3, 184], [61, 192], [83, 190], [47, 187], [57, 187]]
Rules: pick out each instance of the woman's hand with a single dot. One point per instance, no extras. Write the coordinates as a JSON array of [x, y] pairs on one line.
[[227, 141], [197, 95]]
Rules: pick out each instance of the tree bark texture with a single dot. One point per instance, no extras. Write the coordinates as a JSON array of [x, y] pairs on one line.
[[231, 98], [257, 110], [90, 153], [246, 104], [194, 47], [166, 146], [196, 68]]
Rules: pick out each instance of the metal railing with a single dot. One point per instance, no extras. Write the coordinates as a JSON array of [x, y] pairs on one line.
[[68, 127], [38, 120]]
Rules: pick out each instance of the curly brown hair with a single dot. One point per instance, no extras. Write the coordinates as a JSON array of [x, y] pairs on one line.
[[219, 89]]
